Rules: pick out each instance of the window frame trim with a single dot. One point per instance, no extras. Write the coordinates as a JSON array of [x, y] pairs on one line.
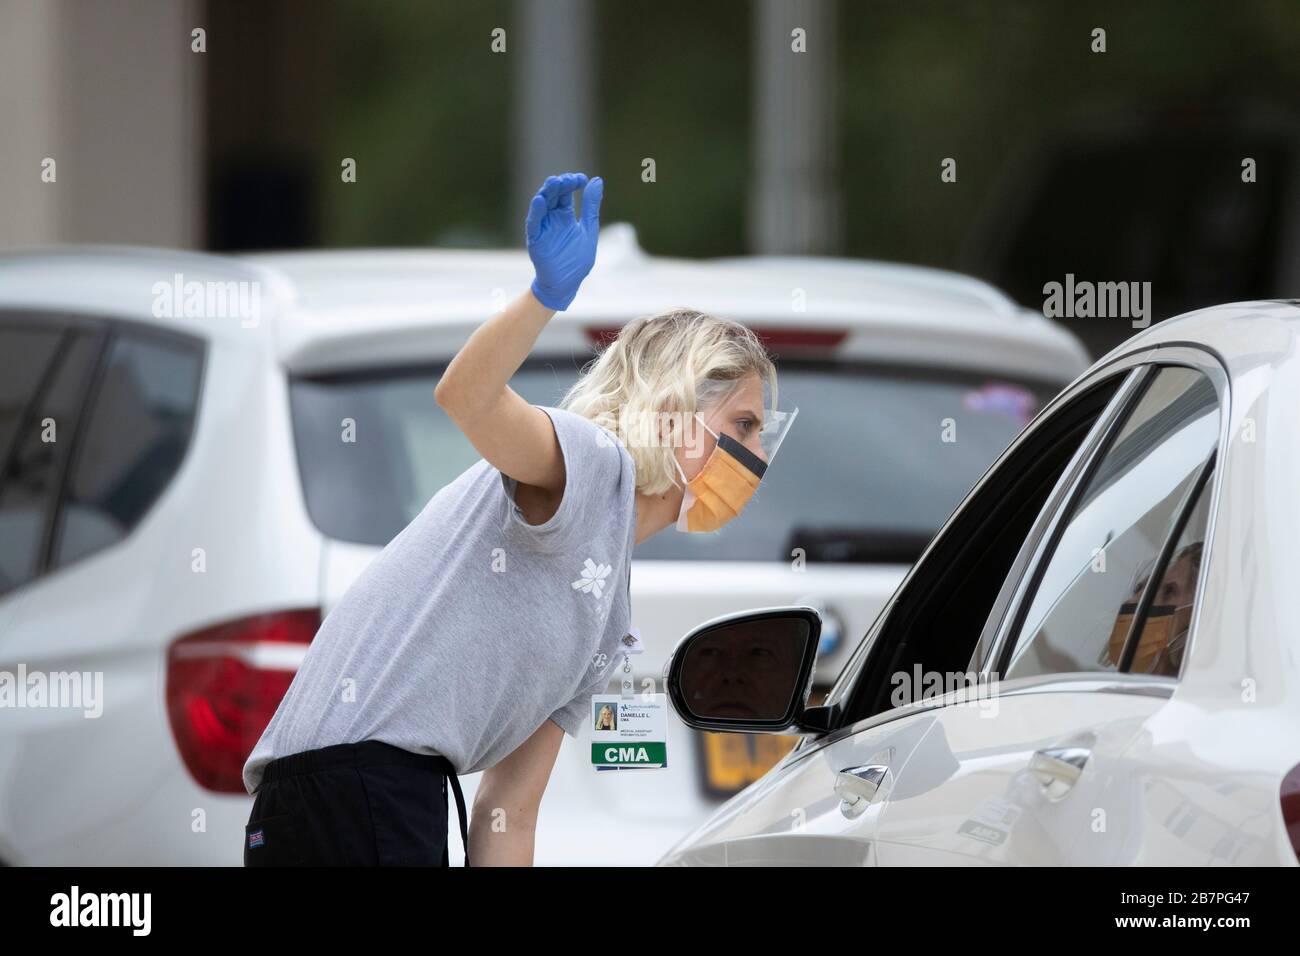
[[1147, 599], [1054, 519], [1076, 473], [1148, 363]]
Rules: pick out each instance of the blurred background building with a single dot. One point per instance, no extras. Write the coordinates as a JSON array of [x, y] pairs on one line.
[[1117, 166]]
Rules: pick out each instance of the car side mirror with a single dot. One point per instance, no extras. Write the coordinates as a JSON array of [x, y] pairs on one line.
[[749, 673]]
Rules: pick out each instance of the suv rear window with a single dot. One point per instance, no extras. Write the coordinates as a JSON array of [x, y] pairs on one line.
[[871, 468], [95, 418], [137, 431]]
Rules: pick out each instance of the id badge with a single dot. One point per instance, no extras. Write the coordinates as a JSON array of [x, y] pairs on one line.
[[629, 733]]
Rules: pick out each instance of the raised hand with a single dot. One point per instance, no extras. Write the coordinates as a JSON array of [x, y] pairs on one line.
[[562, 246]]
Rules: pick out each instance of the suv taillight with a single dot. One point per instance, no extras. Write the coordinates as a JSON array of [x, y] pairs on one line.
[[1291, 807], [223, 686]]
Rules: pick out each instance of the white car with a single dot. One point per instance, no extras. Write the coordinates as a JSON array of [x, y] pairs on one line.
[[1095, 662], [238, 436]]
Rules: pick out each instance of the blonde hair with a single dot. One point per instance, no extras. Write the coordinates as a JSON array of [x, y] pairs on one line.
[[665, 367]]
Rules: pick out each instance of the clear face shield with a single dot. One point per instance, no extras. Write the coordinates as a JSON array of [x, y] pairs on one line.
[[741, 432]]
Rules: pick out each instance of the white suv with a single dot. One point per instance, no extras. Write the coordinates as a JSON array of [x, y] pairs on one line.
[[198, 510]]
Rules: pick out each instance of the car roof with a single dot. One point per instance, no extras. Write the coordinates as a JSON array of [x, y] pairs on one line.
[[334, 309], [1244, 336]]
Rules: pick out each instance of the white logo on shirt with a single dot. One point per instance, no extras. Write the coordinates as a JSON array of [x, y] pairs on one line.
[[593, 577]]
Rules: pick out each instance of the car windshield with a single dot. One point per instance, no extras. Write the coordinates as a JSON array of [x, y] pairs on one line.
[[876, 461]]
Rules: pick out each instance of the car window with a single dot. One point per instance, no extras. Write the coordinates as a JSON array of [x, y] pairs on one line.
[[867, 474], [1117, 526], [1162, 640], [28, 360], [138, 428], [934, 621]]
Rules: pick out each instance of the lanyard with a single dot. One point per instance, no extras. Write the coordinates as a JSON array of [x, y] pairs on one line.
[[627, 685], [632, 644]]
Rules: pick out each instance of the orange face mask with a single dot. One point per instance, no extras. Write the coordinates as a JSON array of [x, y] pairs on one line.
[[722, 488], [1160, 646]]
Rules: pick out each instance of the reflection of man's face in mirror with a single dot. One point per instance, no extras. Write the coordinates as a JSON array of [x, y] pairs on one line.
[[744, 671]]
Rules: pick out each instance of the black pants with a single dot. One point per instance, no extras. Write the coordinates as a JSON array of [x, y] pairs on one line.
[[363, 804]]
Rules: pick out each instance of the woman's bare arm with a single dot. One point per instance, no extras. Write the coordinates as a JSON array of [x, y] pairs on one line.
[[503, 821], [515, 437]]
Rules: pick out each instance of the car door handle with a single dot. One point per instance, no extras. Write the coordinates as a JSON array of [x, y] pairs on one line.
[[1057, 769], [858, 786]]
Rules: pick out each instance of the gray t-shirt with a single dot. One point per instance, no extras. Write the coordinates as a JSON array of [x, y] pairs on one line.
[[472, 627]]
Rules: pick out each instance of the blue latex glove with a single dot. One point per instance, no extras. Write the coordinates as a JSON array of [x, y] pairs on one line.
[[562, 246]]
